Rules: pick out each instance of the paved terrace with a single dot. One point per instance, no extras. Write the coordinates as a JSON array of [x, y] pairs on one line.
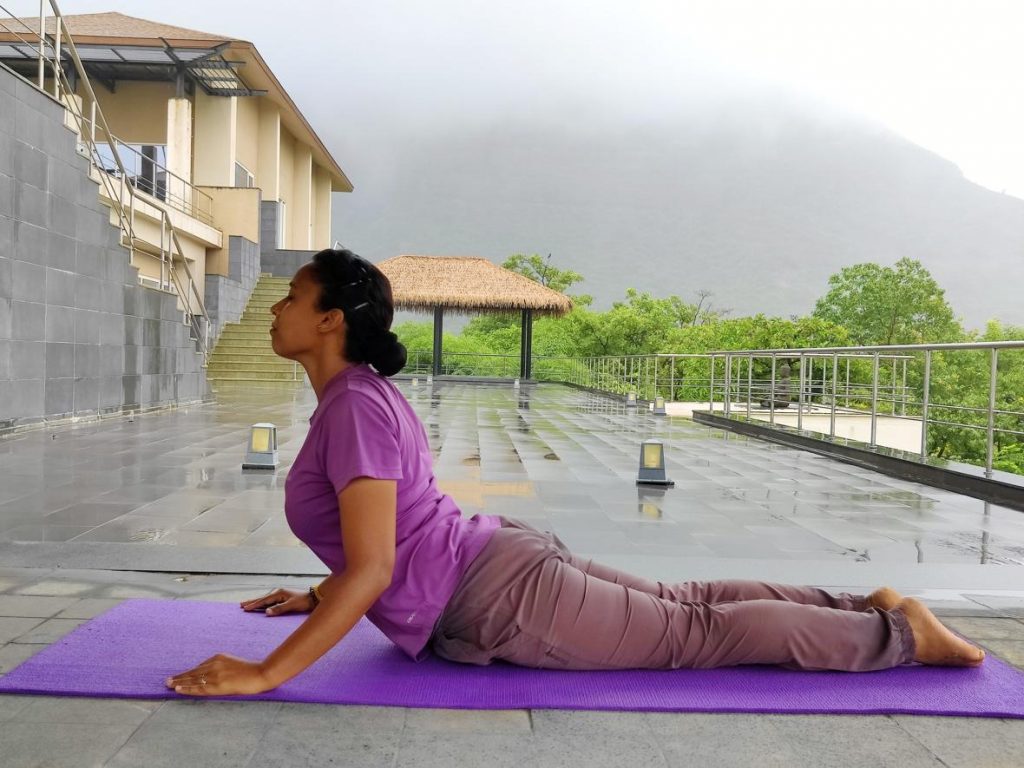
[[159, 507]]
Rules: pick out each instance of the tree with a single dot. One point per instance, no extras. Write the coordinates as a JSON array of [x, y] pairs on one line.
[[539, 269], [889, 305]]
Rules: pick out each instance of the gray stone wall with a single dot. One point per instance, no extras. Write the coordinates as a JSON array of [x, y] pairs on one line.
[[280, 263], [226, 297], [78, 335]]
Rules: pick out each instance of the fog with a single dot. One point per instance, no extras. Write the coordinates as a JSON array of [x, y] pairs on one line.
[[564, 125]]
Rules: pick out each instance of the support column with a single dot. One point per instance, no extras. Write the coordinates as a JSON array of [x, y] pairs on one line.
[[438, 331], [526, 346]]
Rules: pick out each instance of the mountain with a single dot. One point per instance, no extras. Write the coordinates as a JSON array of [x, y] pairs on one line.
[[757, 202]]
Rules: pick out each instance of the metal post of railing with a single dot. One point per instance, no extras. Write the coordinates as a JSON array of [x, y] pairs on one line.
[[893, 363], [728, 384], [835, 383], [711, 390], [42, 42], [924, 402], [800, 396], [771, 396], [672, 379], [56, 57], [903, 394], [847, 382], [655, 377], [993, 377], [874, 402], [750, 382]]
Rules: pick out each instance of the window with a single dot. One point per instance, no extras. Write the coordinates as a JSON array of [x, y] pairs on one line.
[[145, 165], [243, 178]]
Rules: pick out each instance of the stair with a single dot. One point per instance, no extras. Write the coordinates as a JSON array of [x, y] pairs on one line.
[[243, 354]]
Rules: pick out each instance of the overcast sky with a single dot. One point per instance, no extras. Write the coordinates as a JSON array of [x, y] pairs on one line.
[[943, 73]]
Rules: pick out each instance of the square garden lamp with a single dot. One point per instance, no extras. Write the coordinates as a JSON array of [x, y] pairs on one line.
[[262, 450], [631, 400], [659, 406], [652, 464]]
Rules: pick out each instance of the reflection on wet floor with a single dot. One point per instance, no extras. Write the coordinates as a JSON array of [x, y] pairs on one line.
[[556, 457]]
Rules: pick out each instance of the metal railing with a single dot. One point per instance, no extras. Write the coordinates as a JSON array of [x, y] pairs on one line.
[[966, 407], [53, 52], [150, 176], [900, 379]]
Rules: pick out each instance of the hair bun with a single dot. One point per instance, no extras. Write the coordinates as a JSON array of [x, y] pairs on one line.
[[387, 353]]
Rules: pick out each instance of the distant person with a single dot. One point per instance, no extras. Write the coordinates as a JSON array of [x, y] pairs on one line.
[[362, 495]]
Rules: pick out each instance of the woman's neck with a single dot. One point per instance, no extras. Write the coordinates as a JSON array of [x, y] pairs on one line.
[[321, 371]]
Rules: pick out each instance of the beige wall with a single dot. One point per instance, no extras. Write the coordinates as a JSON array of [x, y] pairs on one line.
[[247, 130], [214, 140], [136, 112], [237, 212], [302, 194], [287, 175], [268, 178], [321, 208]]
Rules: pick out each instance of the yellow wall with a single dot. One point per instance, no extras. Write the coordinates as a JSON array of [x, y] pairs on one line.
[[136, 112], [269, 176], [213, 157], [237, 212], [247, 129]]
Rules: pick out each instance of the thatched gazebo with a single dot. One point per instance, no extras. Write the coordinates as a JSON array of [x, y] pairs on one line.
[[470, 284]]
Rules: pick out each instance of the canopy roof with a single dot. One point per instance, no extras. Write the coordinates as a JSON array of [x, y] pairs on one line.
[[467, 283]]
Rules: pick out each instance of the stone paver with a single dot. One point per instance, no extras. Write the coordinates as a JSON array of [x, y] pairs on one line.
[[558, 458]]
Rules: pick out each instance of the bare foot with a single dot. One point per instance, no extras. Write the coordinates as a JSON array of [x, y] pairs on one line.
[[936, 645], [884, 598]]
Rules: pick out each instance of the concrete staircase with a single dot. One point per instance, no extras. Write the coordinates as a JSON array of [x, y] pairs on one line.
[[243, 354]]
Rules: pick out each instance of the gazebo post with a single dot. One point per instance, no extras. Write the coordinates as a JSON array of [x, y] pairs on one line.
[[526, 346], [438, 331]]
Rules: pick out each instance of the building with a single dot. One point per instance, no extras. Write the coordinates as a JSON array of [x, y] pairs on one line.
[[207, 174]]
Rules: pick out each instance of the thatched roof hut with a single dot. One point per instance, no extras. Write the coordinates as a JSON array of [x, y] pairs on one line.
[[467, 284], [470, 284]]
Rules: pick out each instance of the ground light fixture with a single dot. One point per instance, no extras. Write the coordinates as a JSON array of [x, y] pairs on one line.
[[659, 406], [652, 464], [262, 450], [631, 399]]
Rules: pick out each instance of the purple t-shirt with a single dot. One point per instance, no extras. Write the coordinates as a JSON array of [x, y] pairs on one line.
[[364, 427]]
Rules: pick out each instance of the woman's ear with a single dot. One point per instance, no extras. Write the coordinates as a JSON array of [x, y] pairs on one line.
[[332, 320]]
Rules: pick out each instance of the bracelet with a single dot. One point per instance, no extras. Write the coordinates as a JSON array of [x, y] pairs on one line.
[[314, 596]]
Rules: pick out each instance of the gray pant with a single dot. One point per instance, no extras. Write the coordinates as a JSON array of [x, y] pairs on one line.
[[527, 600]]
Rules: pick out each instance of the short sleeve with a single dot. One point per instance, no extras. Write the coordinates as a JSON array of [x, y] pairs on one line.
[[360, 439]]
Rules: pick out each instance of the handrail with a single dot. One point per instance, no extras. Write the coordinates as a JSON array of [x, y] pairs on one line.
[[874, 384], [194, 316], [943, 347], [193, 201]]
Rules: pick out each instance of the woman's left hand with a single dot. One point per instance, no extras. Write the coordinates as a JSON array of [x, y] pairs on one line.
[[221, 675]]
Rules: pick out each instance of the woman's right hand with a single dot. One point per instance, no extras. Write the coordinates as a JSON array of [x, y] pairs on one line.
[[279, 602]]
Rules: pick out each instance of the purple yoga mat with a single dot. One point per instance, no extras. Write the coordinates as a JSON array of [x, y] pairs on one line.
[[129, 651]]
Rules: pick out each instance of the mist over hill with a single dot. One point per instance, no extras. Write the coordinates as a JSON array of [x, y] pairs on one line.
[[758, 202]]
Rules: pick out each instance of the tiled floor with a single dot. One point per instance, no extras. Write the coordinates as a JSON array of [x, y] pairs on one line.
[[159, 507]]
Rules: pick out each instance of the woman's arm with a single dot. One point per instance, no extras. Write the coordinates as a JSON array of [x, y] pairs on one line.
[[368, 536]]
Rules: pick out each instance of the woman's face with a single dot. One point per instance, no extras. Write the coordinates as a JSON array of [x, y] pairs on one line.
[[298, 325]]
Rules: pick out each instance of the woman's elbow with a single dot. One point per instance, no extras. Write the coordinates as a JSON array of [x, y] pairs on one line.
[[380, 574]]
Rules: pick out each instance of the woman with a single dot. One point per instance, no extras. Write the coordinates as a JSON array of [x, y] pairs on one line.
[[362, 495]]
